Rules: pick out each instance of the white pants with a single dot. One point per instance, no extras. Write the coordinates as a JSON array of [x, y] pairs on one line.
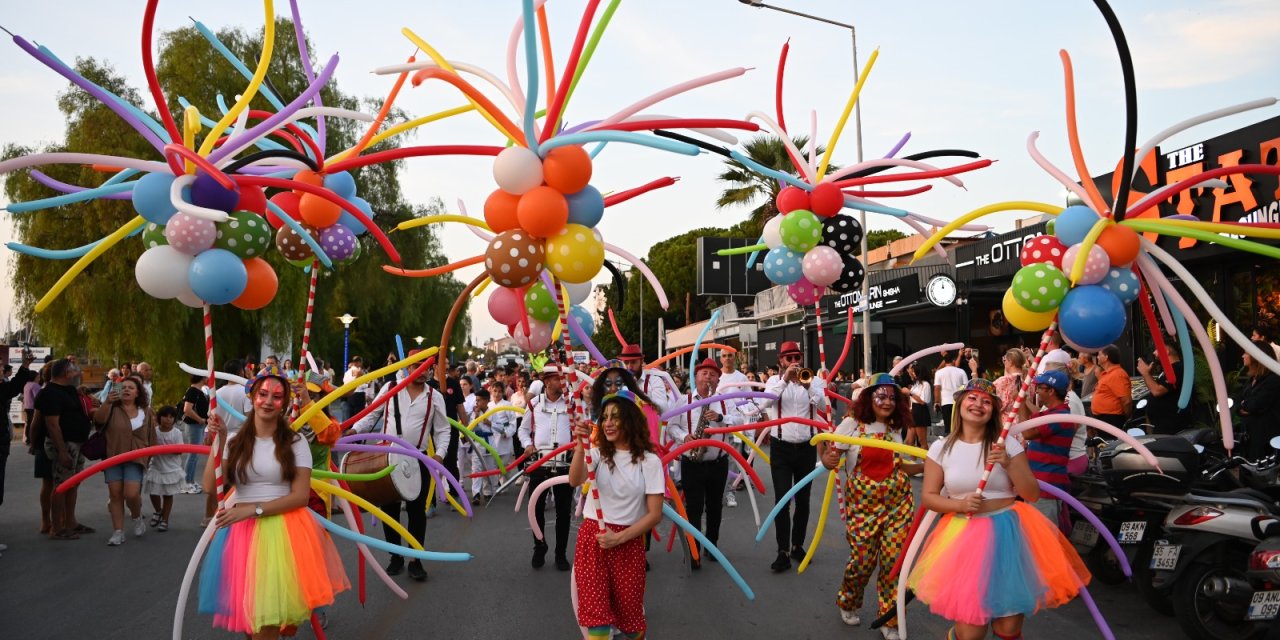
[[480, 460]]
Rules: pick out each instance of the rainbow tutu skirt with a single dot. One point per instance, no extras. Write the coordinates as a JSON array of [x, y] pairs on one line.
[[269, 571], [992, 565]]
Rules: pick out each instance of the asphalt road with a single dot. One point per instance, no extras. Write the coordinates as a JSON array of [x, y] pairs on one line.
[[83, 588]]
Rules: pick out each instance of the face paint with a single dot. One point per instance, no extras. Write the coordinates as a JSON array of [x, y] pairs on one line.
[[270, 395]]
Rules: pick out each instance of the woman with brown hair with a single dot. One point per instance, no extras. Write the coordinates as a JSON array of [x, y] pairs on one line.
[[127, 423], [269, 563]]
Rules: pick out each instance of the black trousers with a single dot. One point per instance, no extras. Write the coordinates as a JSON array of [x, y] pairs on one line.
[[946, 417], [789, 462], [703, 490], [417, 515], [564, 512]]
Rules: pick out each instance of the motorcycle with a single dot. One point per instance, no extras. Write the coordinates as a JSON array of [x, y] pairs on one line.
[[1202, 559], [1264, 575]]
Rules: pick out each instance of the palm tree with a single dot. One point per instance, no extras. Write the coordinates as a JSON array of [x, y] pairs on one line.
[[748, 188]]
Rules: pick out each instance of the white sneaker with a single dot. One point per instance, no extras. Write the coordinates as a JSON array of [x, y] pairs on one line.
[[851, 618], [196, 489], [730, 500], [116, 539], [139, 527], [889, 633]]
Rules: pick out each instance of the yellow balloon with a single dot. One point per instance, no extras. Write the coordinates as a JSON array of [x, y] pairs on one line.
[[576, 254], [1025, 320]]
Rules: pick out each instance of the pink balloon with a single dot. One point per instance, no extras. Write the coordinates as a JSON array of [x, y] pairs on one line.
[[804, 292], [822, 265], [504, 305], [539, 337], [190, 234], [1096, 265]]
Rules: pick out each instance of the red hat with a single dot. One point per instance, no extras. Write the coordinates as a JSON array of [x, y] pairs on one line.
[[706, 364], [789, 347], [631, 352]]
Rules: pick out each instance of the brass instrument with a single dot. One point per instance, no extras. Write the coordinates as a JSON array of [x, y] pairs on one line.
[[806, 376], [700, 432]]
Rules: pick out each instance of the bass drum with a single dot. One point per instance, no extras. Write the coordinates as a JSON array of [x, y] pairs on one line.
[[404, 483]]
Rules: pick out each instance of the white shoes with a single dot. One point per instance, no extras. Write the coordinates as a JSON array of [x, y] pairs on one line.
[[851, 618], [730, 500], [889, 633], [139, 527], [116, 539]]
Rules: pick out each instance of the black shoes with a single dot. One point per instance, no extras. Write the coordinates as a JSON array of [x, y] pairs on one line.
[[416, 572], [695, 564], [396, 567], [797, 553], [782, 563], [539, 554], [562, 563]]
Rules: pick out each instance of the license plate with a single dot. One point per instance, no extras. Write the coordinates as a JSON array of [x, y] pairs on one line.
[[1265, 605], [1083, 533], [1164, 557], [1131, 532]]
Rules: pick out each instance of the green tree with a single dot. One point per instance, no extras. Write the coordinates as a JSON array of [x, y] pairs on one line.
[[750, 189], [105, 313], [881, 237]]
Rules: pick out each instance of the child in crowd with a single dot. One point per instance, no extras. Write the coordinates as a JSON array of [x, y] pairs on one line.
[[165, 476]]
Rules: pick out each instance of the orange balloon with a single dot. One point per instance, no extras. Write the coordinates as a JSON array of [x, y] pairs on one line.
[[261, 287], [542, 212], [1121, 244], [317, 211], [500, 211], [567, 169], [307, 176]]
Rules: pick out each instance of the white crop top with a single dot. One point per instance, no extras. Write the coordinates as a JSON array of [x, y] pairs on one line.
[[264, 481], [963, 466], [623, 489]]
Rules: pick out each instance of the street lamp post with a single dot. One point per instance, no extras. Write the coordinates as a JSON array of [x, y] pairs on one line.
[[418, 339], [346, 320], [857, 126]]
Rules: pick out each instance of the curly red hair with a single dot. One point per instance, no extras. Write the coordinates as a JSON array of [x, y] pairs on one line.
[[863, 411]]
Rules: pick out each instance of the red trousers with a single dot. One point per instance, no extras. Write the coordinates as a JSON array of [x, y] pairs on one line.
[[610, 582]]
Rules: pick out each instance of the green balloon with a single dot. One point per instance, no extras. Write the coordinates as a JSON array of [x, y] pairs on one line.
[[303, 263], [355, 255], [153, 236], [1050, 226], [1040, 287], [540, 304], [245, 234], [800, 230]]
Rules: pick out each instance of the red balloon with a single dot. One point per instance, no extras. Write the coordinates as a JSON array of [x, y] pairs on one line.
[[1045, 249], [826, 200], [261, 287], [286, 200], [792, 198], [252, 199]]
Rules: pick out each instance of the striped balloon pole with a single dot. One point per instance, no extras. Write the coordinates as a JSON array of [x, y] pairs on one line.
[[575, 408], [311, 307], [822, 346], [1011, 415], [831, 409], [218, 481]]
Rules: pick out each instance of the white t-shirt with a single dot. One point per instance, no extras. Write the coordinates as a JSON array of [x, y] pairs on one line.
[[963, 467], [1078, 443], [923, 389], [264, 481], [1057, 355], [136, 421], [234, 396], [623, 488], [950, 380]]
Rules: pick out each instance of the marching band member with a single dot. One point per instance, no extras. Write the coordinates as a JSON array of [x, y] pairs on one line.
[[656, 384], [544, 427]]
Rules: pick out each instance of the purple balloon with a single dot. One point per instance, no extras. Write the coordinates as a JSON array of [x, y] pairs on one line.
[[338, 242], [206, 192]]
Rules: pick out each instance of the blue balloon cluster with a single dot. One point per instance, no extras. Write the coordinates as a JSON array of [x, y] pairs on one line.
[[1091, 317]]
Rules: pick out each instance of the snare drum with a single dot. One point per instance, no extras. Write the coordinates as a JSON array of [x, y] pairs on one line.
[[404, 483]]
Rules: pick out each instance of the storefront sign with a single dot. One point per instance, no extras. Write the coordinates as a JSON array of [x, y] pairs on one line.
[[996, 257], [900, 291]]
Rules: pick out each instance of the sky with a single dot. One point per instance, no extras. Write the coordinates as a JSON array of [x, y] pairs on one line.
[[978, 75]]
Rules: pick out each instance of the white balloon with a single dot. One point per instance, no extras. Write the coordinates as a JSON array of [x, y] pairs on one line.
[[517, 170], [773, 232], [191, 300], [578, 291], [162, 272]]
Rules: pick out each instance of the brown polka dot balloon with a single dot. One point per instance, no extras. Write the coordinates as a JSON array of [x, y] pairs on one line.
[[292, 246], [514, 258]]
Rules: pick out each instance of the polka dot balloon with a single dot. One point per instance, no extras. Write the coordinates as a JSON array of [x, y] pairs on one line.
[[514, 258], [822, 265], [190, 234], [851, 275], [1043, 249], [805, 293], [338, 242], [1123, 282], [783, 266], [292, 246], [842, 233], [1095, 267], [1039, 287], [540, 304], [245, 234], [153, 236], [800, 230], [575, 254]]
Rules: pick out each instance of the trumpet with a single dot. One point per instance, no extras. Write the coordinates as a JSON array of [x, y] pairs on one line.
[[805, 376]]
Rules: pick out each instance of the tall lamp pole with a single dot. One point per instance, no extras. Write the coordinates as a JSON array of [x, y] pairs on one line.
[[857, 125], [346, 320]]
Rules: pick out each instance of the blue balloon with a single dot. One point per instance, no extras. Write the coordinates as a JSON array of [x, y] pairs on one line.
[[349, 221], [206, 192], [586, 207], [151, 197], [1091, 317], [584, 320], [783, 266], [1074, 223], [217, 276], [1123, 282], [341, 183]]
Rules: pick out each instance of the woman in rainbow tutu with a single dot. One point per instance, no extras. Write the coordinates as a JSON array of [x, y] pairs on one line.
[[269, 563], [991, 560]]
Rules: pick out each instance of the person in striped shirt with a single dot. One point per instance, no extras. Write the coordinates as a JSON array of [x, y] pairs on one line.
[[1049, 446]]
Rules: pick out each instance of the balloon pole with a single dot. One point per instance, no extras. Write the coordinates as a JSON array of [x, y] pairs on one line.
[[575, 408], [219, 483], [1011, 415], [311, 307]]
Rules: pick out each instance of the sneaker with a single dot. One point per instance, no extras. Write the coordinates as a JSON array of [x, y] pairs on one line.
[[196, 489], [797, 554], [730, 500], [396, 567], [851, 618], [416, 572], [155, 519], [562, 563], [163, 526], [116, 539], [889, 633], [139, 527], [539, 554], [782, 563]]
